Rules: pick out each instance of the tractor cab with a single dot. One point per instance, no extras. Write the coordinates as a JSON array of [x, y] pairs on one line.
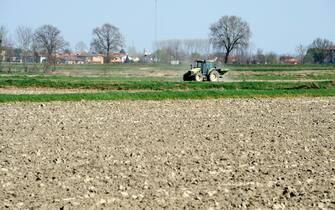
[[204, 66]]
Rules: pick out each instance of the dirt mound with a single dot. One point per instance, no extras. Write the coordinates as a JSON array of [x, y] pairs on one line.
[[209, 154]]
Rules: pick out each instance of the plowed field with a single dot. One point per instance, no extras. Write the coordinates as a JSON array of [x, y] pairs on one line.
[[207, 154]]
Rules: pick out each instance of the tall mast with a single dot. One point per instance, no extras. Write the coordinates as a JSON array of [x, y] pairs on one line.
[[156, 21]]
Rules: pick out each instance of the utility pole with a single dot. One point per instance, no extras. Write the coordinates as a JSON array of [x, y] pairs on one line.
[[156, 21], [156, 30]]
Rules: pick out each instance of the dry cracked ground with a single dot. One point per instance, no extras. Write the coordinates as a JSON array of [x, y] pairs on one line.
[[190, 154]]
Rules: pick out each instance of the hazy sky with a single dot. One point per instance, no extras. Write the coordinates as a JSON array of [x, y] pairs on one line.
[[277, 25]]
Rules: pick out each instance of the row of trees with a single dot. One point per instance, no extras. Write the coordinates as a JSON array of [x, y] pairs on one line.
[[229, 37], [229, 40], [229, 34], [182, 50], [320, 51], [47, 40]]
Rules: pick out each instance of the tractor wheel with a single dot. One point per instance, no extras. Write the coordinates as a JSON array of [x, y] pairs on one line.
[[198, 77], [214, 76], [187, 76]]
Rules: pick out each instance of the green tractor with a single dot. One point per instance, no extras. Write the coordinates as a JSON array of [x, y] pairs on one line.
[[204, 71]]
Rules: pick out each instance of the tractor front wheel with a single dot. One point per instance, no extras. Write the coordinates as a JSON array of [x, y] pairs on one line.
[[213, 76], [198, 77]]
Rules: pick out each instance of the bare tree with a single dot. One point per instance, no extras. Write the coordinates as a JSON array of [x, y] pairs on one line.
[[318, 50], [244, 55], [182, 49], [230, 33], [198, 46], [321, 44], [260, 57], [271, 58], [24, 37], [81, 47], [132, 51], [301, 51], [6, 47], [107, 38], [3, 37], [49, 40]]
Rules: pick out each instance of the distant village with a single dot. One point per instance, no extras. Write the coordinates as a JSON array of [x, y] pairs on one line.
[[72, 58], [107, 46], [83, 57]]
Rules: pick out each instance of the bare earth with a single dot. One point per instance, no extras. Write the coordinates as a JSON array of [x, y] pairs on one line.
[[207, 154]]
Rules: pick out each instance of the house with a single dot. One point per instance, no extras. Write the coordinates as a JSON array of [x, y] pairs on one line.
[[175, 62], [286, 59], [232, 59], [80, 58], [42, 59], [118, 57], [330, 55], [75, 59], [95, 59], [3, 56]]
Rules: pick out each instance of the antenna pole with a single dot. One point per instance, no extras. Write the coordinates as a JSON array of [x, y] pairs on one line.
[[156, 21]]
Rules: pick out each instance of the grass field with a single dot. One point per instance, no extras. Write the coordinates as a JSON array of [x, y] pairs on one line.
[[155, 82]]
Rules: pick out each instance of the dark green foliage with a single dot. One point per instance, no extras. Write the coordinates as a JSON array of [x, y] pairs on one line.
[[62, 82], [163, 95]]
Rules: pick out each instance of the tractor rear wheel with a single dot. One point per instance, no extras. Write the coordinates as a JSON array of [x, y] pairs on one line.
[[198, 77], [214, 76]]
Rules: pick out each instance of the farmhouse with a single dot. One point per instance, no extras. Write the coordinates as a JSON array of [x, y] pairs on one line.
[[118, 57], [95, 59], [288, 60], [80, 58], [330, 55]]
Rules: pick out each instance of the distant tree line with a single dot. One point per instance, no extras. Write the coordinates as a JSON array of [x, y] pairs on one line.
[[320, 51], [228, 42], [46, 41], [181, 50]]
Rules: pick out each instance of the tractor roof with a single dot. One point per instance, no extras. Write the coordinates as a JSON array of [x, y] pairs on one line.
[[207, 61]]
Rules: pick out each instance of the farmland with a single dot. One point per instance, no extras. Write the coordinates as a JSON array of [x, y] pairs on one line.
[[107, 82], [224, 153], [137, 137]]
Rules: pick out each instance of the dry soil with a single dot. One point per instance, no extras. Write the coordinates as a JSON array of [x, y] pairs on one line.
[[191, 154]]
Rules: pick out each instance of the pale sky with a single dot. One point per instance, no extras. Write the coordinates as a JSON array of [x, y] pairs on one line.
[[277, 25]]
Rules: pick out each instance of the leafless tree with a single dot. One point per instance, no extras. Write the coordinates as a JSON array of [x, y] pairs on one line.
[[301, 51], [107, 38], [24, 38], [6, 47], [173, 49], [201, 46], [49, 40], [182, 49], [260, 57], [230, 33], [133, 52], [318, 50], [271, 58], [321, 44], [3, 37], [81, 47]]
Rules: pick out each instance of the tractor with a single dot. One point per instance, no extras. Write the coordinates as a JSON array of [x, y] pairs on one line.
[[204, 70]]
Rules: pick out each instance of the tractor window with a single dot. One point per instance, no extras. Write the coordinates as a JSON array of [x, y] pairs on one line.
[[199, 64]]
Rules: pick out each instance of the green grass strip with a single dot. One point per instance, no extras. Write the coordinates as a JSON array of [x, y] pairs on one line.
[[109, 84], [163, 95]]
